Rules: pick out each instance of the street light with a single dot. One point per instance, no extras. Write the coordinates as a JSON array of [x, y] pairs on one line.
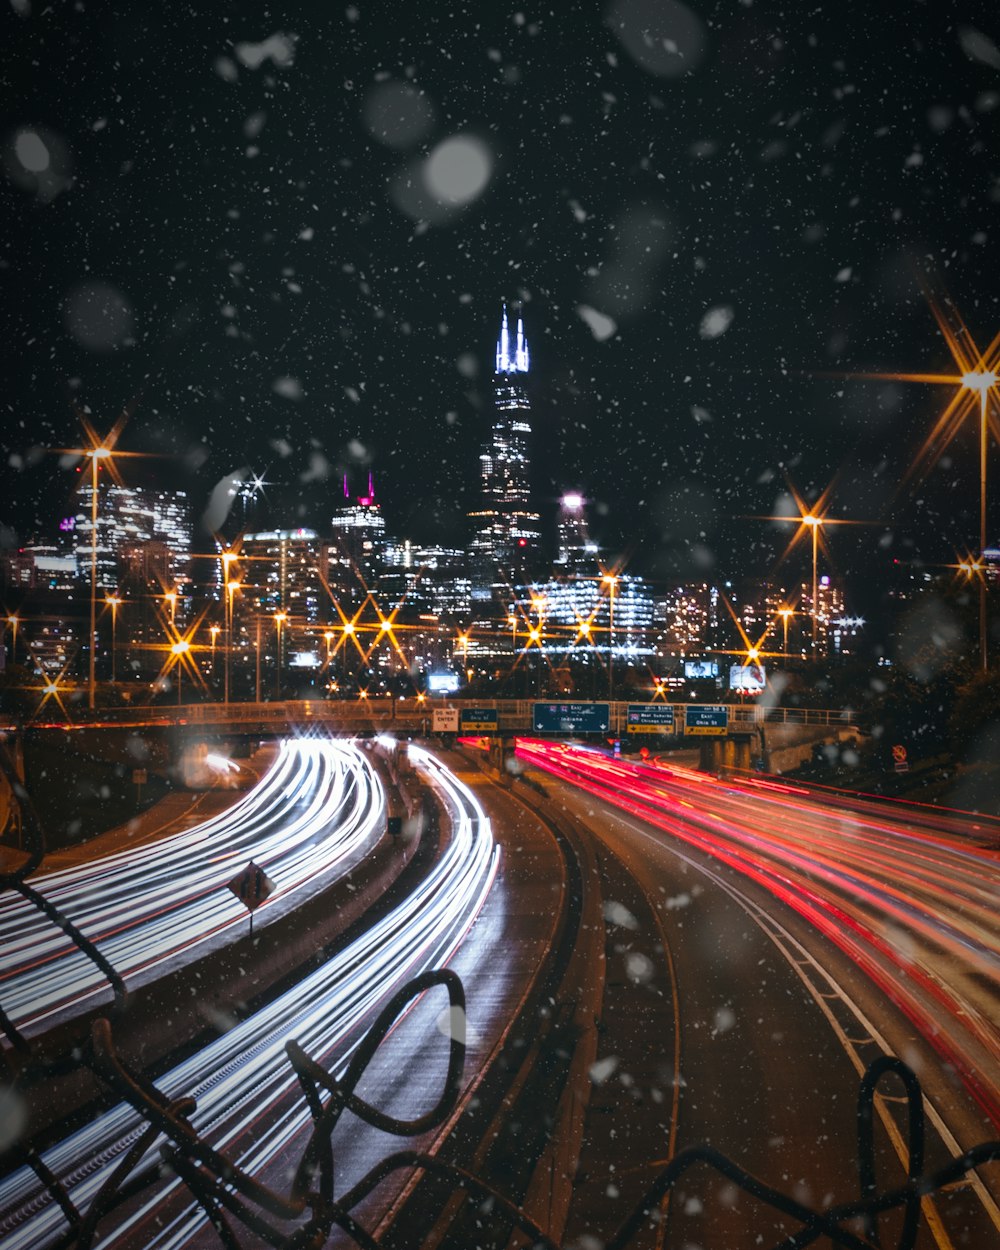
[[982, 382], [114, 603], [227, 557], [349, 632], [814, 522], [279, 620], [180, 649], [96, 455], [13, 621], [611, 581], [231, 589], [785, 613]]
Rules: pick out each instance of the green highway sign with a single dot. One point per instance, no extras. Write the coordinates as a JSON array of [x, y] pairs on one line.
[[478, 719], [567, 718], [706, 719], [649, 718]]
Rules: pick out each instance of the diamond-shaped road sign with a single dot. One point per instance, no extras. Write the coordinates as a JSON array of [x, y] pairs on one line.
[[252, 886]]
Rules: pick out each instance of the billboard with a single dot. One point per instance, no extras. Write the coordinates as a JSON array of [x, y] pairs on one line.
[[706, 719], [701, 668], [571, 717], [442, 683], [649, 718], [750, 678], [303, 659]]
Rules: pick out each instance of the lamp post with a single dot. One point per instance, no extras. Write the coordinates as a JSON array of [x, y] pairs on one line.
[[814, 522], [982, 382], [463, 642], [227, 557], [114, 603], [214, 632], [180, 648], [279, 620], [231, 589], [96, 455], [611, 581], [785, 613], [348, 633], [13, 621]]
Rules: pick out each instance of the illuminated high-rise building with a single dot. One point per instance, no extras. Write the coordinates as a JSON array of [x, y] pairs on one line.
[[355, 555], [127, 518], [577, 553], [506, 527]]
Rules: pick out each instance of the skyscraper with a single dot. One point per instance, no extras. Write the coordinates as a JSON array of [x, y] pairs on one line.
[[355, 554], [577, 553], [506, 527], [127, 518]]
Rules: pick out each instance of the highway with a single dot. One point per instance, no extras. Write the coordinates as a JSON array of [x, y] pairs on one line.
[[791, 938], [151, 908], [249, 1102]]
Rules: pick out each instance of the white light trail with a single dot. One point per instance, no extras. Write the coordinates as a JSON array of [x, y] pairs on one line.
[[244, 1075], [317, 810]]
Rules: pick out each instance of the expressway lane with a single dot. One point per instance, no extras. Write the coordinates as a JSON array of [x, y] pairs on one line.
[[916, 909], [463, 912], [775, 1022], [314, 815]]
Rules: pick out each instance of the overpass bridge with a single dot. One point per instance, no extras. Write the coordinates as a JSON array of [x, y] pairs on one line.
[[386, 713], [731, 735]]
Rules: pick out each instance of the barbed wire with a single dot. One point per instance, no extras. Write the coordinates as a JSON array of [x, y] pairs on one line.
[[227, 1193]]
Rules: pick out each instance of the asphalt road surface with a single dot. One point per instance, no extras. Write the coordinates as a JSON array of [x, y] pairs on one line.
[[786, 941]]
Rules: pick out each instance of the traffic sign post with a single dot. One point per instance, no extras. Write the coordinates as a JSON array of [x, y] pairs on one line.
[[252, 886], [706, 719], [649, 718], [571, 717], [444, 720], [478, 720]]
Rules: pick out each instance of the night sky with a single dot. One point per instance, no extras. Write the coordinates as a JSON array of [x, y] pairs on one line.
[[227, 215]]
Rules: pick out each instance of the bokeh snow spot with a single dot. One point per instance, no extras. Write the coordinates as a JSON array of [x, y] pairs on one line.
[[663, 36], [30, 150], [13, 1116], [221, 499], [458, 169], [978, 47], [716, 321], [98, 316], [638, 967], [725, 1018], [38, 161], [603, 1068], [278, 48], [601, 326], [454, 1024], [617, 913], [397, 114], [287, 388]]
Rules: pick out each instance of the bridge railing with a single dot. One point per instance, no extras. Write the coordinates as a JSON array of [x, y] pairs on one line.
[[513, 715]]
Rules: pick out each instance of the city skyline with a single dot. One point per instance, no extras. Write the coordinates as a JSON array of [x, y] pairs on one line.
[[686, 297]]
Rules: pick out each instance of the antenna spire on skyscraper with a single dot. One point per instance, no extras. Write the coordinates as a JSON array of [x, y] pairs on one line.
[[506, 362]]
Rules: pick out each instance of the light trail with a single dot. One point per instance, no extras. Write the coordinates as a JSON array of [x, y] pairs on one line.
[[316, 811], [248, 1099], [912, 905]]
